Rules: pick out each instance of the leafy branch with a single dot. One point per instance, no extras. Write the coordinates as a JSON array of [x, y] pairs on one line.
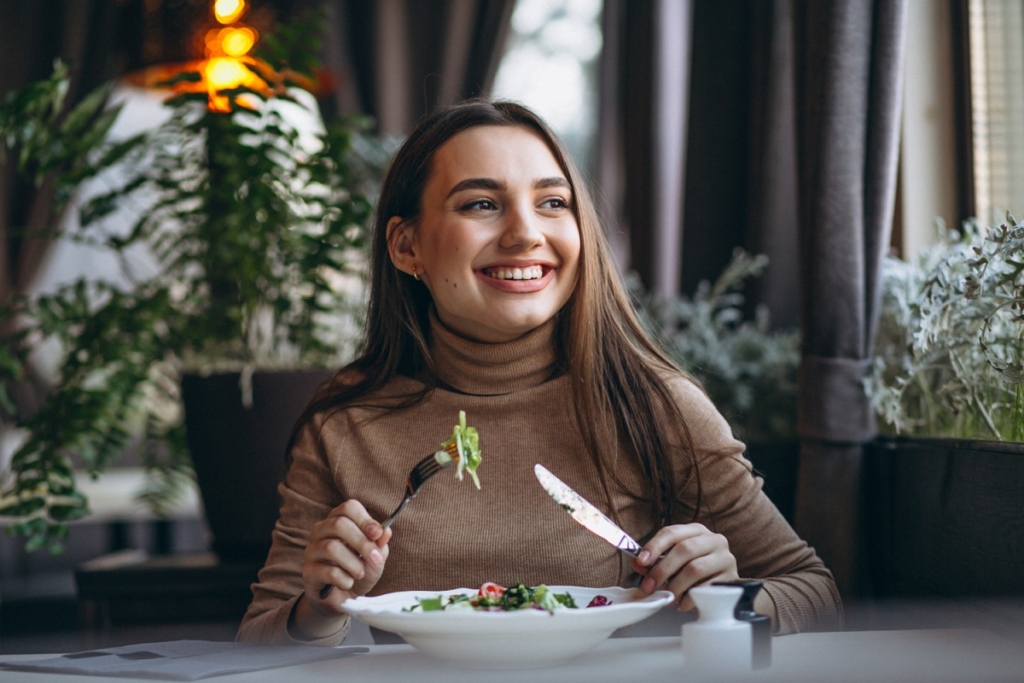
[[947, 359], [996, 282], [749, 370], [245, 250]]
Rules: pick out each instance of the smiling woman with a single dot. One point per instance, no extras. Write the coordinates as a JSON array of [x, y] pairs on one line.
[[493, 292]]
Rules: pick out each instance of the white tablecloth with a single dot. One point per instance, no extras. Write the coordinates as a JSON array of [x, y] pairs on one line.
[[932, 656]]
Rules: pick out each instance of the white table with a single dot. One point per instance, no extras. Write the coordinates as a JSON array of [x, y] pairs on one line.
[[932, 656]]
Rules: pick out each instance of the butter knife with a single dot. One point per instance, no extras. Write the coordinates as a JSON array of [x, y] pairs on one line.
[[592, 519]]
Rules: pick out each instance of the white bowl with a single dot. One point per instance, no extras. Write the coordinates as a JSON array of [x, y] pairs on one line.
[[508, 640]]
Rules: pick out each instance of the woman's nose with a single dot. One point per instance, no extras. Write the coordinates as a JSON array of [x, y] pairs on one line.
[[522, 229]]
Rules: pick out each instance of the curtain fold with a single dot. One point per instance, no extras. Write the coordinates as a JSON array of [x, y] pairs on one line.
[[643, 141], [771, 219], [625, 140], [697, 150], [398, 60], [849, 57]]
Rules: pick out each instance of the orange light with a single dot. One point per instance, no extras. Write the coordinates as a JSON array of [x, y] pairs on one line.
[[237, 41], [228, 11], [211, 42], [231, 42], [224, 72], [227, 49]]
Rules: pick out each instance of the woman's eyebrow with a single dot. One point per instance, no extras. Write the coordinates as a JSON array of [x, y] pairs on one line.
[[556, 181], [500, 186], [478, 184]]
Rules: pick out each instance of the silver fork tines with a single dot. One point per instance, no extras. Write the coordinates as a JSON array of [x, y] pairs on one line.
[[421, 471], [424, 469]]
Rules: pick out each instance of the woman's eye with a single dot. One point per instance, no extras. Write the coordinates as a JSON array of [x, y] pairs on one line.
[[555, 203], [480, 205]]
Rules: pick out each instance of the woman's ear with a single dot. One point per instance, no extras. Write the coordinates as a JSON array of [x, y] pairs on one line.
[[400, 244]]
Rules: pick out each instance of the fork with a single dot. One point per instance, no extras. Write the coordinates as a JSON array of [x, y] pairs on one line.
[[421, 471]]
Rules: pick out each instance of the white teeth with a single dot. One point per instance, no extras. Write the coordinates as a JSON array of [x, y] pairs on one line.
[[528, 273]]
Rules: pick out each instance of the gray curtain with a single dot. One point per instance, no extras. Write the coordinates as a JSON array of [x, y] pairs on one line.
[[643, 139], [625, 133], [771, 208], [729, 68], [397, 60], [849, 56]]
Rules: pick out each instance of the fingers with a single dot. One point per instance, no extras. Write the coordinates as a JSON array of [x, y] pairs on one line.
[[353, 510], [346, 550], [690, 555]]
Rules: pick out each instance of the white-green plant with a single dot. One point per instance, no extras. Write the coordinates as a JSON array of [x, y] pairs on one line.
[[947, 359], [748, 369]]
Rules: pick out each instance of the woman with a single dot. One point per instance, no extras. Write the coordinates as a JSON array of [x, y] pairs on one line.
[[493, 292]]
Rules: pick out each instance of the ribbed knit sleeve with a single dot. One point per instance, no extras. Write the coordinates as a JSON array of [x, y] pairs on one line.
[[307, 496], [765, 546]]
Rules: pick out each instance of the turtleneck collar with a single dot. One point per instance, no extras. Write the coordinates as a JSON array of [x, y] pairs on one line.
[[484, 369]]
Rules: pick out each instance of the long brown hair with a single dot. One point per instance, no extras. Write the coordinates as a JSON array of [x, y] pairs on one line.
[[617, 370]]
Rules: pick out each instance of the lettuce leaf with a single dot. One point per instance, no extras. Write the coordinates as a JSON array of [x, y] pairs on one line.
[[467, 442]]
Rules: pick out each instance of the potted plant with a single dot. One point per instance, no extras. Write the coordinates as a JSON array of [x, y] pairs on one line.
[[945, 480], [748, 369], [244, 254], [947, 356]]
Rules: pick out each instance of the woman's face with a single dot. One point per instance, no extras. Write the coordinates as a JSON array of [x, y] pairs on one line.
[[497, 242]]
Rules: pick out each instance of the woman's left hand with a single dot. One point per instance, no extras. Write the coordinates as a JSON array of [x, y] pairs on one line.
[[690, 555]]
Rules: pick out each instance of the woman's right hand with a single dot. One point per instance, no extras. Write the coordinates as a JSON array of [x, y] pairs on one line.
[[347, 550]]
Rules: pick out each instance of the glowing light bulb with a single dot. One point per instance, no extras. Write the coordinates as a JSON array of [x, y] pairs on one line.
[[237, 41], [224, 72], [228, 11]]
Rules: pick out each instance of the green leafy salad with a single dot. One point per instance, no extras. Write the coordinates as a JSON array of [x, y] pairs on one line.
[[494, 598], [465, 441]]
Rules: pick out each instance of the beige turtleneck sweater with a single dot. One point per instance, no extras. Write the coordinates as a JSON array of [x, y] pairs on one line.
[[453, 535]]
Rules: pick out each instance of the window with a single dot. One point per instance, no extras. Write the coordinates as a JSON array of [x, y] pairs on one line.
[[997, 107], [550, 65]]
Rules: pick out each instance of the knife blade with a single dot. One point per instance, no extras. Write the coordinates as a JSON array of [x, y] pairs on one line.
[[581, 510]]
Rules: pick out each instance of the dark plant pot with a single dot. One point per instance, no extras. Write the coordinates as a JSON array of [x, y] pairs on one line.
[[944, 517], [239, 453], [778, 462]]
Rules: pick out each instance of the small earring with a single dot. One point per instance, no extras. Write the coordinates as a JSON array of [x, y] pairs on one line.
[[414, 273]]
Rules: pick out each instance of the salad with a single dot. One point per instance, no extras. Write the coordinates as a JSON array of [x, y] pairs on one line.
[[466, 442], [494, 598]]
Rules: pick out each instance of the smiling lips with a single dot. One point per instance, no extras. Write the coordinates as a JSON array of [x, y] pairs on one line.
[[518, 279], [527, 273]]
